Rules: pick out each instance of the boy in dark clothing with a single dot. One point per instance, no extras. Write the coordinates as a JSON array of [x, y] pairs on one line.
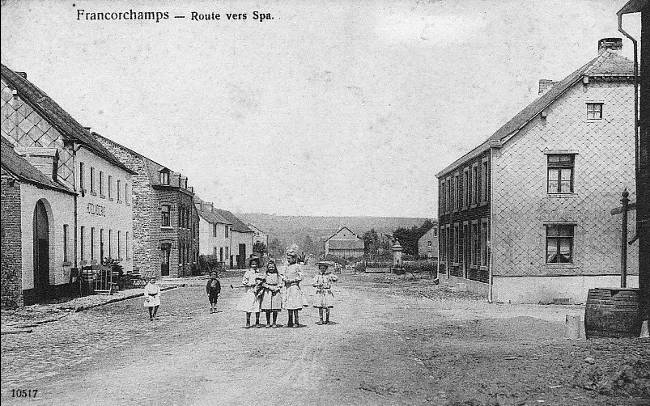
[[213, 288]]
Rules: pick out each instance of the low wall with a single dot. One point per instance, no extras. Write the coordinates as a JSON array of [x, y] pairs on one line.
[[475, 287], [546, 289]]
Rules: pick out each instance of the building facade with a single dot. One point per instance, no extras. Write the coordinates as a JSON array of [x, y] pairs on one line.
[[166, 226], [525, 216], [428, 244], [214, 232], [259, 236], [344, 244], [99, 222], [241, 240]]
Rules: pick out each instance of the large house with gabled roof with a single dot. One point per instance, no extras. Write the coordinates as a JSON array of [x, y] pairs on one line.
[[345, 244], [525, 216]]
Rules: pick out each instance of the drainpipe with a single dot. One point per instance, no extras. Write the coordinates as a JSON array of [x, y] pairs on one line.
[[491, 226], [636, 95]]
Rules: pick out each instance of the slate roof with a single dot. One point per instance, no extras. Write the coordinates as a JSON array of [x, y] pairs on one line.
[[633, 6], [237, 224], [339, 230], [23, 170], [212, 217], [56, 116], [607, 63]]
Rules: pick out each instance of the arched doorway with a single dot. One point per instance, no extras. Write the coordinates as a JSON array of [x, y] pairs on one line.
[[41, 237]]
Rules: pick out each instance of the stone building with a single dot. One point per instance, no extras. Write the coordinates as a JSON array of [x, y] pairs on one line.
[[214, 232], [100, 225], [165, 221], [37, 240], [525, 216], [428, 244], [344, 244]]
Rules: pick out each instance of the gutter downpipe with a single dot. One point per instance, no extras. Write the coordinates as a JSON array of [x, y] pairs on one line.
[[636, 98], [491, 226]]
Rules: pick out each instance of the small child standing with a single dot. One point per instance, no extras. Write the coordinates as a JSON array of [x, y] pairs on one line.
[[213, 288], [324, 298], [152, 297]]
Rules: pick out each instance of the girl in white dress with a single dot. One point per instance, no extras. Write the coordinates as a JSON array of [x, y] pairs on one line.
[[250, 302], [152, 297]]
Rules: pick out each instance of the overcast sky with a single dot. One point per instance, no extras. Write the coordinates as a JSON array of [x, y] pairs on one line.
[[331, 108]]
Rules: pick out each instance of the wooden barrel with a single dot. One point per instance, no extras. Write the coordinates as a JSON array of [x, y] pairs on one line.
[[612, 312]]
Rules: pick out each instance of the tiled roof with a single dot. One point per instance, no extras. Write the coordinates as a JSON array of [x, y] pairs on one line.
[[56, 116], [237, 224], [355, 244], [607, 63], [212, 217], [25, 171]]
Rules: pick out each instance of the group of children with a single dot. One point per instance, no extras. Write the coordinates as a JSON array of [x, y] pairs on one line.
[[269, 292]]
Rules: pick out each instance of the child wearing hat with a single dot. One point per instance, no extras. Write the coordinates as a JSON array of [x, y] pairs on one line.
[[324, 298], [250, 302], [213, 288]]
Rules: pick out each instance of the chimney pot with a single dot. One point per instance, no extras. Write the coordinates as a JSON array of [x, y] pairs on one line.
[[22, 74], [612, 44], [544, 85]]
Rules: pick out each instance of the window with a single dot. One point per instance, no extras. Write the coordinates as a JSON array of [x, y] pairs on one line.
[[560, 173], [119, 244], [227, 228], [559, 243], [476, 247], [457, 247], [82, 176], [119, 193], [448, 198], [164, 177], [484, 242], [110, 187], [475, 185], [92, 243], [484, 181], [429, 244], [126, 245], [92, 180], [82, 252], [466, 188], [65, 243], [435, 232], [165, 215], [443, 245], [214, 230], [594, 111], [221, 254], [456, 192], [126, 193], [101, 244], [441, 197], [101, 184], [110, 243], [181, 213]]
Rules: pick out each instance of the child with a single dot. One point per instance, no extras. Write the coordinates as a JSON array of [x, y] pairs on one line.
[[324, 298], [213, 288], [250, 303], [271, 296], [293, 298], [152, 297]]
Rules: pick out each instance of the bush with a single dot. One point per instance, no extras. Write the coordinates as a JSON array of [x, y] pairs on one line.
[[420, 266]]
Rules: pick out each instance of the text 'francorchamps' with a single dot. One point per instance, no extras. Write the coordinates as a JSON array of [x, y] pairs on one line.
[[121, 15]]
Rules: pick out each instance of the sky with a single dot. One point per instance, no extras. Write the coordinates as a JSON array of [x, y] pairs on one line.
[[334, 108]]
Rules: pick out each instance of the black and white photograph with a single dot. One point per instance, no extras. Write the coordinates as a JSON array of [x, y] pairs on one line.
[[331, 202]]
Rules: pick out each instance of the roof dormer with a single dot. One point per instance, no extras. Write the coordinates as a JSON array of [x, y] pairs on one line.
[[164, 176]]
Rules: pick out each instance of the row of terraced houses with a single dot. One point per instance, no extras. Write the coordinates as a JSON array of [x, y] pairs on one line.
[[73, 198], [526, 216]]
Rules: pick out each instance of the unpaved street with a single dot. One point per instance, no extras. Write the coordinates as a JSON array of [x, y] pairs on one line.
[[391, 344]]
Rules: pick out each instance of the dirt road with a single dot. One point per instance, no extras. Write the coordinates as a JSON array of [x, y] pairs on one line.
[[387, 346]]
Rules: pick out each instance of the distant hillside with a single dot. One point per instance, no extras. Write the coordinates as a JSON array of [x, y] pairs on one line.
[[294, 229]]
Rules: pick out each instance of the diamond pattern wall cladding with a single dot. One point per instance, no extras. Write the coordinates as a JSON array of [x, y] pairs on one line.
[[27, 128], [604, 166]]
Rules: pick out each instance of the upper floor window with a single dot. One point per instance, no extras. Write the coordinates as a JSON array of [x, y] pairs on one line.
[[594, 111], [82, 176], [559, 243], [126, 193], [110, 187], [467, 188], [560, 173], [227, 228], [164, 177], [484, 181], [119, 190], [429, 243], [92, 180], [214, 230], [165, 219], [101, 183], [475, 185]]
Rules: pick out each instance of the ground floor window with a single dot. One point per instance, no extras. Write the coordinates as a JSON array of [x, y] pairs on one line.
[[475, 245], [559, 243], [484, 242], [443, 244]]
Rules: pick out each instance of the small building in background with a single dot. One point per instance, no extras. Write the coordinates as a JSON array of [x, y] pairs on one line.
[[214, 232], [428, 244], [241, 240], [259, 236], [344, 244]]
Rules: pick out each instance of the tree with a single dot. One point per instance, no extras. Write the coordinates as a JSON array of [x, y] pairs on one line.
[[276, 248], [371, 243], [308, 245], [408, 237]]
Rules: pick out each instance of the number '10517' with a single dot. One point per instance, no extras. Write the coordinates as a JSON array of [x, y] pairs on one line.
[[24, 393]]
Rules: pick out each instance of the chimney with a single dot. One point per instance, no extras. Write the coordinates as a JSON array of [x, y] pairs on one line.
[[22, 74], [88, 129], [544, 85], [611, 44]]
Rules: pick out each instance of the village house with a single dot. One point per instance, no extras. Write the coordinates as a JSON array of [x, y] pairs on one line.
[[259, 236], [525, 216], [344, 244], [214, 232], [428, 244], [99, 223], [241, 240], [165, 221]]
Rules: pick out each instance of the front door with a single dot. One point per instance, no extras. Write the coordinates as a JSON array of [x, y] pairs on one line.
[[41, 239], [242, 256], [164, 263]]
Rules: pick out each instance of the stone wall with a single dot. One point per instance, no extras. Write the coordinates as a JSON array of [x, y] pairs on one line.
[[11, 288]]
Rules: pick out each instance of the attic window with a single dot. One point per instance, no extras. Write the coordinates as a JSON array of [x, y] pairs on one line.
[[594, 111], [164, 177]]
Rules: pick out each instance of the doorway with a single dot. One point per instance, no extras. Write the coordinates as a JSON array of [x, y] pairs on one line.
[[164, 263], [241, 258], [41, 243]]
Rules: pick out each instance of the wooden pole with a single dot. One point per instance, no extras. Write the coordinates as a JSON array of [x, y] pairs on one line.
[[625, 201]]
